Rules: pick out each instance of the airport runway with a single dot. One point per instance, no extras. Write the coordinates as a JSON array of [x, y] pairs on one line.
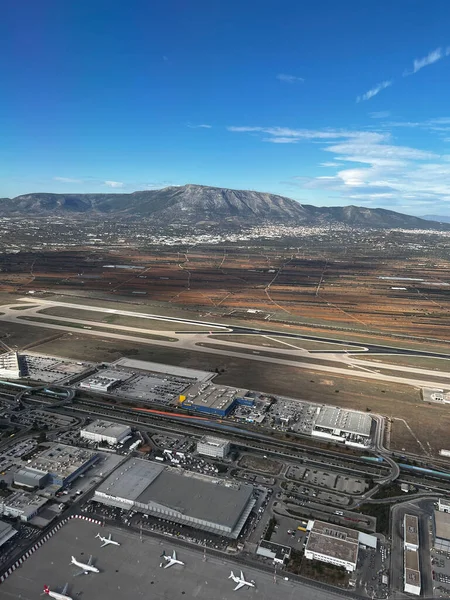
[[348, 365], [132, 571]]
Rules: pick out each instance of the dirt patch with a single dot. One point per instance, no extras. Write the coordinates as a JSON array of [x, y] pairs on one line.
[[260, 464]]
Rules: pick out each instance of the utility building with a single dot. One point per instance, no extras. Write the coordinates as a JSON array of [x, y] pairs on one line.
[[442, 531], [10, 366], [105, 431], [333, 544], [199, 501], [411, 568], [31, 478], [214, 447]]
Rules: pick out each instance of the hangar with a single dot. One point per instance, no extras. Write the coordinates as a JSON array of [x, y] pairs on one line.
[[212, 504]]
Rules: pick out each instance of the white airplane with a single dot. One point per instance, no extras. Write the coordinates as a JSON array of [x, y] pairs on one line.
[[241, 581], [106, 540], [171, 560], [56, 595], [86, 568]]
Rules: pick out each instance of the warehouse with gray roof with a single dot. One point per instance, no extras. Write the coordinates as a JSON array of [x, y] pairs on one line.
[[208, 503], [348, 426]]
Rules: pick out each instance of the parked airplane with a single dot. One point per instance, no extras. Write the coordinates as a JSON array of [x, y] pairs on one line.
[[171, 560], [106, 540], [57, 595], [86, 568], [241, 581]]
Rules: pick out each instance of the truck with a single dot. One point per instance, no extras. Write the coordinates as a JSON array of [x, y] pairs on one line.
[[301, 528]]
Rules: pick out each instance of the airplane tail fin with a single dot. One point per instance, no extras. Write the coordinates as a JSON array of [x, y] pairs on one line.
[[46, 589], [231, 575], [98, 535], [73, 560]]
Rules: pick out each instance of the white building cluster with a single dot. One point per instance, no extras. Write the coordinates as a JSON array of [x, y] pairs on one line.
[[411, 571], [10, 366], [105, 431], [213, 447]]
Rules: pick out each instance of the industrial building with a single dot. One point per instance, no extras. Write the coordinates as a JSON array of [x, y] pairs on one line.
[[214, 400], [442, 531], [411, 532], [411, 570], [10, 366], [63, 463], [219, 506], [444, 505], [214, 447], [333, 544], [105, 431], [348, 426], [278, 553], [21, 505], [100, 383], [6, 532], [31, 478]]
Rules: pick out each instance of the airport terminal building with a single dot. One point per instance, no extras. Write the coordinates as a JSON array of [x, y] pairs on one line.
[[208, 503]]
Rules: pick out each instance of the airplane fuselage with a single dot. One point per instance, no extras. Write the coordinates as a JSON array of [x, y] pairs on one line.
[[57, 596], [84, 567]]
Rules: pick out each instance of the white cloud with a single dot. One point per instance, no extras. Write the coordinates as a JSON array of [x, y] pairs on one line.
[[374, 91], [202, 126], [369, 166], [429, 59], [289, 78], [281, 140], [114, 184], [67, 180], [380, 114]]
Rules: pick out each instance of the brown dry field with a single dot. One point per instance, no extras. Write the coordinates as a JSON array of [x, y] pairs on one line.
[[141, 323], [282, 343], [421, 362], [68, 323], [431, 422], [345, 292]]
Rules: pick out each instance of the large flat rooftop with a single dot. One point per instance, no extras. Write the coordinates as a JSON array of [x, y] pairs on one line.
[[334, 541], [411, 527], [192, 495], [132, 571], [106, 428], [349, 421], [412, 570], [442, 524], [208, 395], [61, 460]]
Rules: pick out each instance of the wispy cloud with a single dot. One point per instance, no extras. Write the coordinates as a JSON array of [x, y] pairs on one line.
[[201, 126], [289, 78], [429, 59], [369, 167], [374, 91], [380, 114], [67, 180], [114, 184]]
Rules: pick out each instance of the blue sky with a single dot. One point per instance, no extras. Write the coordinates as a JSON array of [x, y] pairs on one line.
[[328, 102]]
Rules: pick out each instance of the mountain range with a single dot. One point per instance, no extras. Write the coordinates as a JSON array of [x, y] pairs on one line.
[[204, 205]]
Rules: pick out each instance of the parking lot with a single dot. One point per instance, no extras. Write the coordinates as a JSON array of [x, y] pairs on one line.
[[440, 570]]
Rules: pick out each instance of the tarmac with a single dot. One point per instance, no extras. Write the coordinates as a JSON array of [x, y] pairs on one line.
[[131, 571]]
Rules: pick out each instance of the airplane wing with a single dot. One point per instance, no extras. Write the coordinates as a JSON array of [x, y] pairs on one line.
[[89, 562], [104, 544], [78, 573], [174, 555], [169, 564], [238, 587], [64, 590], [242, 576]]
